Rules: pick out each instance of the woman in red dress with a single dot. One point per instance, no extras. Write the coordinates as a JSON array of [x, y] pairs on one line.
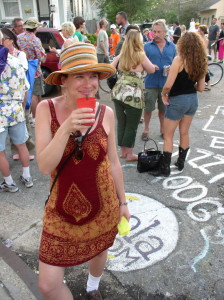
[[88, 199]]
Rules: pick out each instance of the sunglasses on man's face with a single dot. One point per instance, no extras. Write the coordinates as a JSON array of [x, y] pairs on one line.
[[6, 38], [78, 149]]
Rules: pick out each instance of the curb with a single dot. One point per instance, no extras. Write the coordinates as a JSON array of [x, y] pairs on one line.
[[17, 280]]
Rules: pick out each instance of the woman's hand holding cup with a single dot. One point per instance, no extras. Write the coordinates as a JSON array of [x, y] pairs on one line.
[[89, 102], [77, 120]]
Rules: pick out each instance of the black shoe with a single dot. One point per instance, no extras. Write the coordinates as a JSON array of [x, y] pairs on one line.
[[94, 295], [181, 159], [163, 168]]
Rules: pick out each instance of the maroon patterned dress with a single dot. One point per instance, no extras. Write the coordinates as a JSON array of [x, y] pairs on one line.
[[82, 213]]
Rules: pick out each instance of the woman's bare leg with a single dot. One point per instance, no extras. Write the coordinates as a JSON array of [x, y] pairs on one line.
[[184, 126], [123, 152], [23, 154], [97, 264], [169, 129], [51, 283]]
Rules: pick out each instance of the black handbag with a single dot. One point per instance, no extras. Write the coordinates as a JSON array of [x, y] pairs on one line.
[[111, 81], [148, 159]]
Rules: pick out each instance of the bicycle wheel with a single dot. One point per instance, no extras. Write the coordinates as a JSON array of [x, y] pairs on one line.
[[215, 72]]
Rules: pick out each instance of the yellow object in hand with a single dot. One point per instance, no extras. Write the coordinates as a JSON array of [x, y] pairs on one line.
[[123, 227]]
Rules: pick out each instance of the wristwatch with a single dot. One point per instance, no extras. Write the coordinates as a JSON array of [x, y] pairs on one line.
[[123, 203]]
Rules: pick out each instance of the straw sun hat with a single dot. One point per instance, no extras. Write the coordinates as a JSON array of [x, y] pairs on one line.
[[80, 58]]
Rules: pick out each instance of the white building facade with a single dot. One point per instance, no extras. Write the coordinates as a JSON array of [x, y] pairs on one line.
[[54, 12]]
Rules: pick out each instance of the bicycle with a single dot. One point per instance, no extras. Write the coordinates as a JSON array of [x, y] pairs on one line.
[[215, 70]]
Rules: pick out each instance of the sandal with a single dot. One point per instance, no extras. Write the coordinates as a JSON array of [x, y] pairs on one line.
[[145, 136], [15, 157], [131, 160]]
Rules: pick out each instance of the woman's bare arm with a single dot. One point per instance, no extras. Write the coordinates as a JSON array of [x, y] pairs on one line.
[[148, 66], [200, 85], [115, 61]]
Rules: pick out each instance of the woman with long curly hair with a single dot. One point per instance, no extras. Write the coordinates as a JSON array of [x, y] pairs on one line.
[[179, 94], [127, 93]]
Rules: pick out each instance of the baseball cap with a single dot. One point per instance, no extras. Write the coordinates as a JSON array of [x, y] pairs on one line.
[[32, 23], [112, 26], [197, 24]]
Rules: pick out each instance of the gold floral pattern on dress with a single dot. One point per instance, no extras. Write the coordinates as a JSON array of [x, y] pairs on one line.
[[76, 204], [70, 146], [53, 250], [98, 137], [93, 150], [106, 187]]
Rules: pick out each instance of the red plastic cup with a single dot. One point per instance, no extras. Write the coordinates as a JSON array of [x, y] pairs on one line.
[[89, 102]]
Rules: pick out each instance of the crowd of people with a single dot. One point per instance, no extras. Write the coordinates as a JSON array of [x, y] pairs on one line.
[[20, 48], [156, 69]]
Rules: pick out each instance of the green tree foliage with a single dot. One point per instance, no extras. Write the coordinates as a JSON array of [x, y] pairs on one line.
[[92, 38], [186, 17], [139, 11], [135, 9]]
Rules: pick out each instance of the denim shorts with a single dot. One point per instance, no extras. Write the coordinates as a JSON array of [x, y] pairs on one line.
[[17, 133], [181, 105]]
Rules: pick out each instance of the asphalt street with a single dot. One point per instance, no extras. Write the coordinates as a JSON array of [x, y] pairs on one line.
[[176, 245]]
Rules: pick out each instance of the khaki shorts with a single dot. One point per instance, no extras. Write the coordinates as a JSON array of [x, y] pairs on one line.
[[38, 87], [151, 96], [212, 47]]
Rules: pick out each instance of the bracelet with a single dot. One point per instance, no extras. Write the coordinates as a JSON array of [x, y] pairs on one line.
[[164, 94], [123, 203]]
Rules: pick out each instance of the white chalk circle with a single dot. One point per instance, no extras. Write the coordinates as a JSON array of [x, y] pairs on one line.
[[153, 236]]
